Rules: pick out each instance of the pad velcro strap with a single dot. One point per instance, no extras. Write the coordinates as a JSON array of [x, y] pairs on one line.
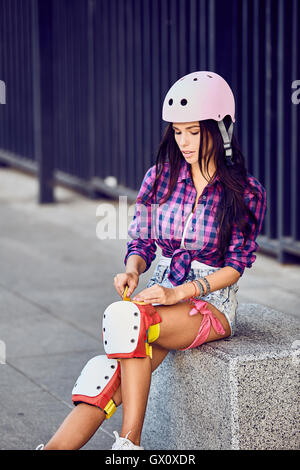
[[148, 350], [153, 332], [109, 409]]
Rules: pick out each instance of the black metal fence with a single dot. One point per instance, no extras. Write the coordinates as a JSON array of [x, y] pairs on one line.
[[85, 81]]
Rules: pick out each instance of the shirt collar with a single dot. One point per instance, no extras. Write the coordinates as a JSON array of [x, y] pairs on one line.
[[184, 174]]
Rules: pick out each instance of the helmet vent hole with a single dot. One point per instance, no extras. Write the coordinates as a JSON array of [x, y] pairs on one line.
[[183, 102], [209, 76], [170, 102], [195, 79]]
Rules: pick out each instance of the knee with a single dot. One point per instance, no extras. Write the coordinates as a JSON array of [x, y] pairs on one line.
[[98, 381], [125, 329]]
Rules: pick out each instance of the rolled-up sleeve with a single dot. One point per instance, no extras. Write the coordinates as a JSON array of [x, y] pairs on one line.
[[140, 228], [241, 254]]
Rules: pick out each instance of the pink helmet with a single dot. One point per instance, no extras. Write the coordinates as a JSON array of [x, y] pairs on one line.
[[199, 96]]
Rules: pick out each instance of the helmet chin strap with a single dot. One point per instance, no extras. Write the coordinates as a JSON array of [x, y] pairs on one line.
[[227, 141]]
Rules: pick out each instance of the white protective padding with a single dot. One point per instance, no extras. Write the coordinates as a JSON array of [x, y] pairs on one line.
[[95, 375], [121, 327]]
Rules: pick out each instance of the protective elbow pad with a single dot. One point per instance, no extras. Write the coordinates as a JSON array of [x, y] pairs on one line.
[[97, 383], [125, 329]]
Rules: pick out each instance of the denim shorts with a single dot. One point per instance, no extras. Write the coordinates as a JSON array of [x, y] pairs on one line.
[[225, 300]]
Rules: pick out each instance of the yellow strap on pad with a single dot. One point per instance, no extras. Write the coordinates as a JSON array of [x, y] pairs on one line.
[[110, 409], [125, 294], [153, 332], [129, 299], [148, 350]]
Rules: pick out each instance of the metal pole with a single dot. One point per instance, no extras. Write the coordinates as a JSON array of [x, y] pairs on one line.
[[43, 96]]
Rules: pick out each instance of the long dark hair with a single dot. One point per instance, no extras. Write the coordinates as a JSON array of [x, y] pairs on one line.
[[232, 207]]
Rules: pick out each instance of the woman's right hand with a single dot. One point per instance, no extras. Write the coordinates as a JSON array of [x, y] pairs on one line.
[[122, 280]]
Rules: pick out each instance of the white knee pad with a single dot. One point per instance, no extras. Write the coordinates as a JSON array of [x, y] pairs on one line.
[[97, 383], [125, 328]]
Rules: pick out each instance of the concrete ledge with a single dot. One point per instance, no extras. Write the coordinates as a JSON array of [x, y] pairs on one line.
[[237, 393]]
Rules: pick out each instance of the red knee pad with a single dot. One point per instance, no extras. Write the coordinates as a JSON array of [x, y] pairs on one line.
[[124, 329], [97, 383]]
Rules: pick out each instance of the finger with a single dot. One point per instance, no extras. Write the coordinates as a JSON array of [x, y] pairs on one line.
[[131, 288], [145, 294], [124, 290], [146, 299], [119, 288], [117, 281], [119, 291]]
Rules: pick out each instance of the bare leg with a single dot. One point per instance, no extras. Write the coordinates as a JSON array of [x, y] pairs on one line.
[[177, 331], [135, 379], [77, 429], [84, 420]]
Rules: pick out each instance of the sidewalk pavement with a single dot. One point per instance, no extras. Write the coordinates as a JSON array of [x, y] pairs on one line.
[[56, 280]]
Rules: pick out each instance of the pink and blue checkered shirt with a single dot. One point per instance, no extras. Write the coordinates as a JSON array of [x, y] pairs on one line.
[[185, 236]]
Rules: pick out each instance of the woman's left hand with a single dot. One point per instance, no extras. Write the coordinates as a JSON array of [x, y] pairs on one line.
[[159, 295]]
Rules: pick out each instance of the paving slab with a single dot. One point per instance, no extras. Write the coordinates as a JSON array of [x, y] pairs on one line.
[[25, 410], [28, 330]]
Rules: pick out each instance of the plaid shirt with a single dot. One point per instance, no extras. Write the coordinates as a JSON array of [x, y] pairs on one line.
[[185, 236]]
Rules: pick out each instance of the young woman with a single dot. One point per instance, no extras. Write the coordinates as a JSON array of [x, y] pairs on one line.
[[204, 210]]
